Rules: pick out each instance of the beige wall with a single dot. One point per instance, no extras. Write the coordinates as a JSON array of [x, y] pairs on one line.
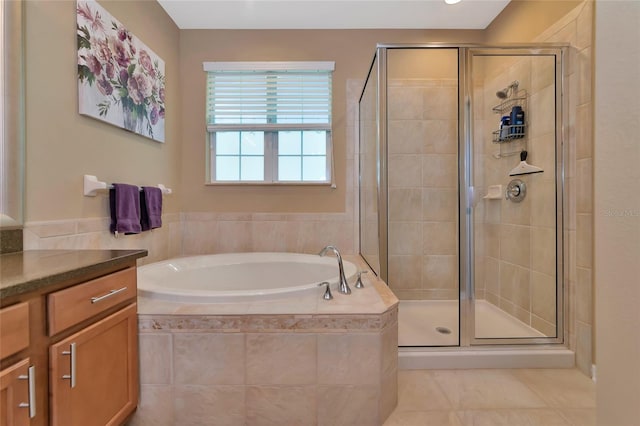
[[62, 145], [617, 212], [524, 20], [352, 51]]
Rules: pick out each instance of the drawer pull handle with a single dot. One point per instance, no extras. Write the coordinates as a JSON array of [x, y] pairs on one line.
[[104, 296], [71, 376], [31, 377]]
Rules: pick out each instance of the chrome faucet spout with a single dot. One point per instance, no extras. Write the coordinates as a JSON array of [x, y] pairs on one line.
[[344, 285]]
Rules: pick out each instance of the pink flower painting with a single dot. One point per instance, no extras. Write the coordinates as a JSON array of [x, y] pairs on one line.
[[120, 80]]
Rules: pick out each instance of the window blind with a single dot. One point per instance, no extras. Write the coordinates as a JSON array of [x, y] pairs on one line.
[[282, 98]]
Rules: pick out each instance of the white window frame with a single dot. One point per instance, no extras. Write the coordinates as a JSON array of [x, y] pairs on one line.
[[270, 129]]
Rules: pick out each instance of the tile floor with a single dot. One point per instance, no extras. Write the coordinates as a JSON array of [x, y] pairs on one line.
[[510, 397]]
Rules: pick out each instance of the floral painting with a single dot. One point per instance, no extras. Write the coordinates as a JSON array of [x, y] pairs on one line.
[[120, 80]]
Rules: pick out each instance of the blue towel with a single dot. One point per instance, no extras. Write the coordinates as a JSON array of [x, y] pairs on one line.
[[150, 208], [124, 201]]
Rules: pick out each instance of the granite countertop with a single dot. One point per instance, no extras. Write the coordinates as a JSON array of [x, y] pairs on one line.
[[32, 270]]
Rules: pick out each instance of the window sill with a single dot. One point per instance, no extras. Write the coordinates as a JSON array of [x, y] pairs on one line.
[[258, 184]]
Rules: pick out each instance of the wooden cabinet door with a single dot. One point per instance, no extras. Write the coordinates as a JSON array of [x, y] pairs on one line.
[[94, 373], [14, 395]]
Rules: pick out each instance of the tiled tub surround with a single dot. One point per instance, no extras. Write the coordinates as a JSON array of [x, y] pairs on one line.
[[299, 361]]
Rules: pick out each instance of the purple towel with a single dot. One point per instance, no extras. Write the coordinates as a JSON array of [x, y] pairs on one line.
[[124, 201], [151, 208]]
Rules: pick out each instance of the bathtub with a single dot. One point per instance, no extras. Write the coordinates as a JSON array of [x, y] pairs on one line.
[[239, 277]]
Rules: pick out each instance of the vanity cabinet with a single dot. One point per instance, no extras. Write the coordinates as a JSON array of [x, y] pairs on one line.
[[69, 349], [93, 377], [17, 394], [17, 381], [94, 373]]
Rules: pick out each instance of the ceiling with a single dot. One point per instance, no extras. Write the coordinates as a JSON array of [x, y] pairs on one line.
[[332, 14]]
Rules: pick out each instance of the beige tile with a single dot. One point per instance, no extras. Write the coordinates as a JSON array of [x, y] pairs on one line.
[[559, 388], [543, 250], [199, 237], [542, 197], [584, 65], [584, 185], [233, 237], [281, 405], [584, 241], [440, 272], [274, 236], [349, 359], [404, 103], [405, 272], [579, 416], [408, 136], [439, 205], [423, 418], [405, 204], [584, 296], [517, 213], [155, 407], [405, 238], [209, 358], [543, 72], [359, 408], [441, 137], [418, 391], [543, 295], [404, 170], [541, 114], [492, 240], [584, 347], [492, 275], [513, 417], [389, 350], [545, 327], [439, 238], [515, 244], [480, 389], [202, 405], [439, 171], [388, 395], [280, 359], [440, 103], [155, 358], [515, 285], [584, 132]]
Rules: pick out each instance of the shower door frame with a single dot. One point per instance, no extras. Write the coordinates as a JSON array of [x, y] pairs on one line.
[[468, 196], [466, 255]]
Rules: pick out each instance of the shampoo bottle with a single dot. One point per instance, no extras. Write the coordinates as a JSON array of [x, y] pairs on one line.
[[517, 122]]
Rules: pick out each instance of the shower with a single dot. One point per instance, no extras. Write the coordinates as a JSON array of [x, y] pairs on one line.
[[507, 91], [475, 257]]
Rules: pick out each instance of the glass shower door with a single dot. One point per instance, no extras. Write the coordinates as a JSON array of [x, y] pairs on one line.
[[422, 184], [515, 97]]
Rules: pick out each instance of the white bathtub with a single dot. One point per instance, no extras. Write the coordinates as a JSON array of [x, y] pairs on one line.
[[239, 276]]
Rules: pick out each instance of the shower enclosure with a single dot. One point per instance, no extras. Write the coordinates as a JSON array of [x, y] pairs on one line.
[[461, 190]]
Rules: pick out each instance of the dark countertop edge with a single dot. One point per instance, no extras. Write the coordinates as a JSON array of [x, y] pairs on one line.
[[90, 271]]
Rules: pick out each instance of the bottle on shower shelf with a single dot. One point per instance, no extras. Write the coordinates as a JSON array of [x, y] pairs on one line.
[[517, 122]]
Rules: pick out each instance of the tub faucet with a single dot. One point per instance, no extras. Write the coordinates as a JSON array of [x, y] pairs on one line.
[[344, 286]]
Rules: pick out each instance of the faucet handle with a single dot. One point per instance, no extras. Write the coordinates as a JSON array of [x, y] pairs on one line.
[[359, 283], [327, 291]]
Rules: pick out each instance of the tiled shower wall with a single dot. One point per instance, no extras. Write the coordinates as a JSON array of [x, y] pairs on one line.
[[516, 242], [423, 193]]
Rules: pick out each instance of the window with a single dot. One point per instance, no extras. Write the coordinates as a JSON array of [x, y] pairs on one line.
[[269, 122]]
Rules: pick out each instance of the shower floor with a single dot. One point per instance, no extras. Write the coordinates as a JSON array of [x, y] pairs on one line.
[[419, 321]]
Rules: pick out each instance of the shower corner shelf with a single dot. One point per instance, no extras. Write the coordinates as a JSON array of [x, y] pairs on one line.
[[509, 133]]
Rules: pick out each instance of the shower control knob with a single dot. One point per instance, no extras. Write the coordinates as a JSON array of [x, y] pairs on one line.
[[516, 191]]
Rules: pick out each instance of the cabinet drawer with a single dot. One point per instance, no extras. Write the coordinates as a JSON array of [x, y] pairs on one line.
[[14, 329], [75, 304]]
